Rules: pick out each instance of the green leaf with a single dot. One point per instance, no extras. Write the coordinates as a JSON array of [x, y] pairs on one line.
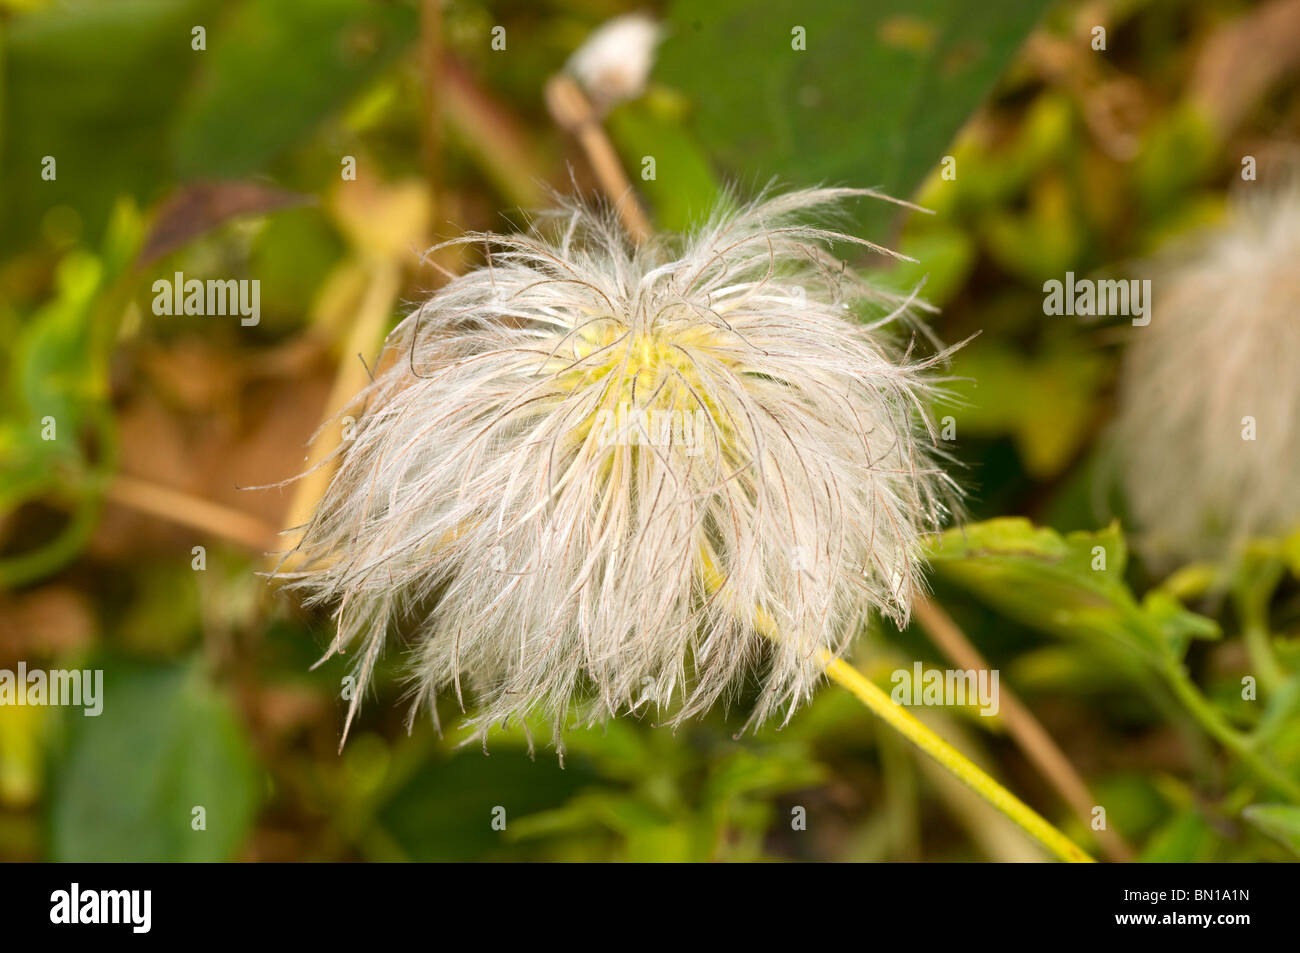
[[776, 769], [648, 835], [1279, 821], [95, 85], [944, 258], [1178, 151], [1046, 401], [1187, 838], [165, 743], [1070, 585], [1281, 714], [54, 363], [874, 99], [58, 375], [684, 188], [620, 812], [445, 812], [1176, 623], [275, 69]]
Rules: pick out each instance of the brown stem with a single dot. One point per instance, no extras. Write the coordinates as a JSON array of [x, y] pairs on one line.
[[184, 509], [1021, 724], [573, 113]]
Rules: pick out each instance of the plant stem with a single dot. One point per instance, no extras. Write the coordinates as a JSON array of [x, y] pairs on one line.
[[573, 112], [1259, 647], [185, 509], [364, 337], [906, 724], [1020, 723], [1252, 594], [902, 721], [1210, 719]]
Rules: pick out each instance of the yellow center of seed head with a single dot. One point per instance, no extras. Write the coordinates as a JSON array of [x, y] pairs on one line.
[[641, 371]]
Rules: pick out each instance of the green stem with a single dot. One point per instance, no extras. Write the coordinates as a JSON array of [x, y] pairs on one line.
[[1259, 645], [902, 721], [1252, 596], [907, 725], [1208, 717]]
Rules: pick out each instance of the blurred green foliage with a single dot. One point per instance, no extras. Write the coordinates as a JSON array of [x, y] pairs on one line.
[[226, 160], [868, 94], [166, 747]]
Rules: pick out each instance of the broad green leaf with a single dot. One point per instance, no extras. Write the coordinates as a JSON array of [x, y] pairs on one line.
[[93, 84], [275, 69], [874, 99], [127, 787], [445, 812], [1071, 585], [683, 188]]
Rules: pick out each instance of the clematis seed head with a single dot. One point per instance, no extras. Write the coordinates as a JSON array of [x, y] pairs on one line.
[[613, 65], [588, 464], [1209, 396]]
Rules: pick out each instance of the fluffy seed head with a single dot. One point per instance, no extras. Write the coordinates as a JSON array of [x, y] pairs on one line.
[[1215, 368], [591, 464], [614, 63]]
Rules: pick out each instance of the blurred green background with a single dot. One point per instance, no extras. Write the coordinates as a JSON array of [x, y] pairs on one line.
[[127, 543]]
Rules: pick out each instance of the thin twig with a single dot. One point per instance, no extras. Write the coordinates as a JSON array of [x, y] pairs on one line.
[[185, 509], [906, 724], [1024, 728], [573, 112]]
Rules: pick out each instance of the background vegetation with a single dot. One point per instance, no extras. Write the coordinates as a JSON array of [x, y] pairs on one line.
[[226, 162]]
